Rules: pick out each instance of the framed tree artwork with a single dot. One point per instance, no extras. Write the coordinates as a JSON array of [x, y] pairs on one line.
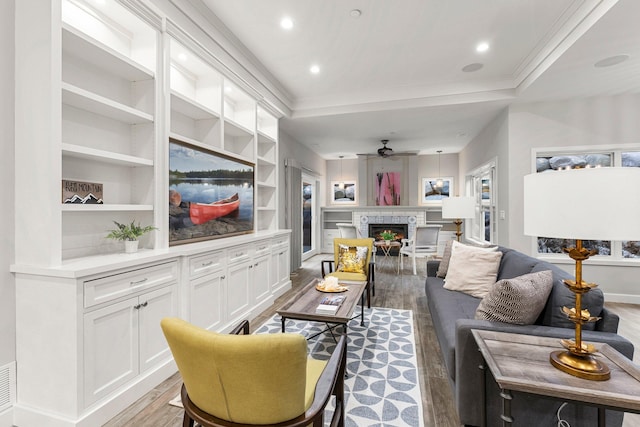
[[432, 193], [343, 192]]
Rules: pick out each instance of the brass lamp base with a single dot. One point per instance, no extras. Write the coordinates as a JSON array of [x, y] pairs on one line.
[[581, 366], [458, 223]]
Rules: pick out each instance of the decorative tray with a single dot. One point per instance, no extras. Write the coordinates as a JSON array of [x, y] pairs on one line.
[[320, 287]]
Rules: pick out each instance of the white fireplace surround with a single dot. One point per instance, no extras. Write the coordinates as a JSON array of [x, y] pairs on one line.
[[363, 219]]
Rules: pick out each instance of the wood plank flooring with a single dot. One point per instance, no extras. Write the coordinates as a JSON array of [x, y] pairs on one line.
[[404, 291]]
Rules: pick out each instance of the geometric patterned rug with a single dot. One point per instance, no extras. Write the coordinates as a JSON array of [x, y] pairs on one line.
[[382, 387]]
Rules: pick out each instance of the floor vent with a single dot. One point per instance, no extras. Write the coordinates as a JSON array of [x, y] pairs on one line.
[[7, 385]]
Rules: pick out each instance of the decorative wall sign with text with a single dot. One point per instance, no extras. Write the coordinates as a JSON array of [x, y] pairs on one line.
[[81, 193]]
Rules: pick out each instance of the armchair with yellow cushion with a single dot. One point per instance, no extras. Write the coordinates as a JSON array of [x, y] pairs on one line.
[[246, 380], [352, 262]]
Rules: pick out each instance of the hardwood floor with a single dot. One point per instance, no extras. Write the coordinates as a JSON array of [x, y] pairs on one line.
[[404, 291]]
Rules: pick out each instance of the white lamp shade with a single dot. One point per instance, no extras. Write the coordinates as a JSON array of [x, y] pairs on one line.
[[586, 204], [458, 207]]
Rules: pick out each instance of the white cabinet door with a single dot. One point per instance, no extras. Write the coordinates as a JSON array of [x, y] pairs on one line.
[[152, 307], [283, 266], [206, 300], [124, 339], [261, 279], [238, 280], [110, 348]]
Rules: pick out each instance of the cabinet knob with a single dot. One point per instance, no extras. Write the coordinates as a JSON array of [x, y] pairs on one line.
[[223, 277], [205, 264], [137, 282]]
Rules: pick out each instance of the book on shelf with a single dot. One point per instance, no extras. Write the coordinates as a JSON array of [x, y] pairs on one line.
[[330, 304]]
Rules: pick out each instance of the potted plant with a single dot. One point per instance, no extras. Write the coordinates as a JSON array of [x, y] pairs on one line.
[[388, 236], [129, 234]]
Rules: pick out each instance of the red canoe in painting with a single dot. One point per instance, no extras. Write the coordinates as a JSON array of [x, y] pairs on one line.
[[203, 212]]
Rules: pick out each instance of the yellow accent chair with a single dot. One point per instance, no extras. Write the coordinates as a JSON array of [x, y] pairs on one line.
[[235, 379], [351, 263]]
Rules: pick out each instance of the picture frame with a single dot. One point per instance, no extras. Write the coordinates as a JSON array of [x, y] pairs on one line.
[[211, 195], [429, 195], [344, 196]]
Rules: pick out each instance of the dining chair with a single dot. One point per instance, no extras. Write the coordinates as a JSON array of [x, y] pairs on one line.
[[424, 244]]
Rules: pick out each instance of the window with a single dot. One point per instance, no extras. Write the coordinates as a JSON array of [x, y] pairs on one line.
[[548, 162], [481, 184]]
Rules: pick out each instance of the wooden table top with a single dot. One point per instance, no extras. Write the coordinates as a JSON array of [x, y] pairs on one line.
[[521, 363], [303, 306]]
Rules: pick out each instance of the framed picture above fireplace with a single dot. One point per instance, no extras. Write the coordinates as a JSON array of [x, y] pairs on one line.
[[431, 193], [343, 192]]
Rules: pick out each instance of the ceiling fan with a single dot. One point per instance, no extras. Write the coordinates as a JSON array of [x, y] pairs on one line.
[[385, 151]]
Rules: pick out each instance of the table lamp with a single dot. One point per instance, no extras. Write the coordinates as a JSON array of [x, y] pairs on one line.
[[582, 204], [458, 208]]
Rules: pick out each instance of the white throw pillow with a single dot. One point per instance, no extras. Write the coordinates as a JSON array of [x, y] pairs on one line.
[[472, 270]]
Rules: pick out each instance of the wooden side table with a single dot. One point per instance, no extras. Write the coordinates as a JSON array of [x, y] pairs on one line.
[[521, 363]]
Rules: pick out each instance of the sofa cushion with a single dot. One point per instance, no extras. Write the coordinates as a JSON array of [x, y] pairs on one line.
[[514, 264], [561, 296], [446, 307], [519, 300], [472, 270]]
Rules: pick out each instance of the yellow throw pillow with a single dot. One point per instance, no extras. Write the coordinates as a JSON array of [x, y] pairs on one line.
[[352, 259]]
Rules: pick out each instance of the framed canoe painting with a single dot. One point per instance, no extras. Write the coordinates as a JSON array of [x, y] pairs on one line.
[[211, 195]]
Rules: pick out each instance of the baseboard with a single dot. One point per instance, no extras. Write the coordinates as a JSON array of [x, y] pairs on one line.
[[622, 298], [102, 411]]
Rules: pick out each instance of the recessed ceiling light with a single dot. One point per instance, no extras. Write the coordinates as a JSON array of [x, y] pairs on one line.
[[472, 67], [227, 89], [286, 23], [314, 69], [482, 47], [355, 13], [182, 57], [612, 60]]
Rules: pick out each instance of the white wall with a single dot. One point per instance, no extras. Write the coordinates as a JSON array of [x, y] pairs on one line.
[[7, 216], [292, 149], [594, 121], [412, 169], [7, 219], [511, 138], [492, 144]]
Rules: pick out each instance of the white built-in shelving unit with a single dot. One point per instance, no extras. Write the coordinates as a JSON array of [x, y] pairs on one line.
[[267, 175], [108, 126], [103, 88]]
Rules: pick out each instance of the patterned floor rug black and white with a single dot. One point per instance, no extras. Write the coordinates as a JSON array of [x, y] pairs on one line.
[[382, 387]]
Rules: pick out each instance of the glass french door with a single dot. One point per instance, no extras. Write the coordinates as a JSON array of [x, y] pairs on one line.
[[308, 217]]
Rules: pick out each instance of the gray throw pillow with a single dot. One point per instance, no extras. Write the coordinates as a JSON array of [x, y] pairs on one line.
[[518, 301], [444, 262]]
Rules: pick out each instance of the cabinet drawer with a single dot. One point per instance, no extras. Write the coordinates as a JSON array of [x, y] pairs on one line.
[[204, 264], [109, 288], [238, 254], [280, 242], [263, 248]]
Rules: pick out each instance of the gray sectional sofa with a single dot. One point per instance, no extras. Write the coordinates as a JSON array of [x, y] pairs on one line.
[[453, 315]]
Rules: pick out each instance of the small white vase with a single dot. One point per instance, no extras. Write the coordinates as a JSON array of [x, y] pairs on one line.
[[387, 242], [130, 246]]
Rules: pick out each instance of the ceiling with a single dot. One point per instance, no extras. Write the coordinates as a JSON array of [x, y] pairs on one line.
[[397, 71]]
